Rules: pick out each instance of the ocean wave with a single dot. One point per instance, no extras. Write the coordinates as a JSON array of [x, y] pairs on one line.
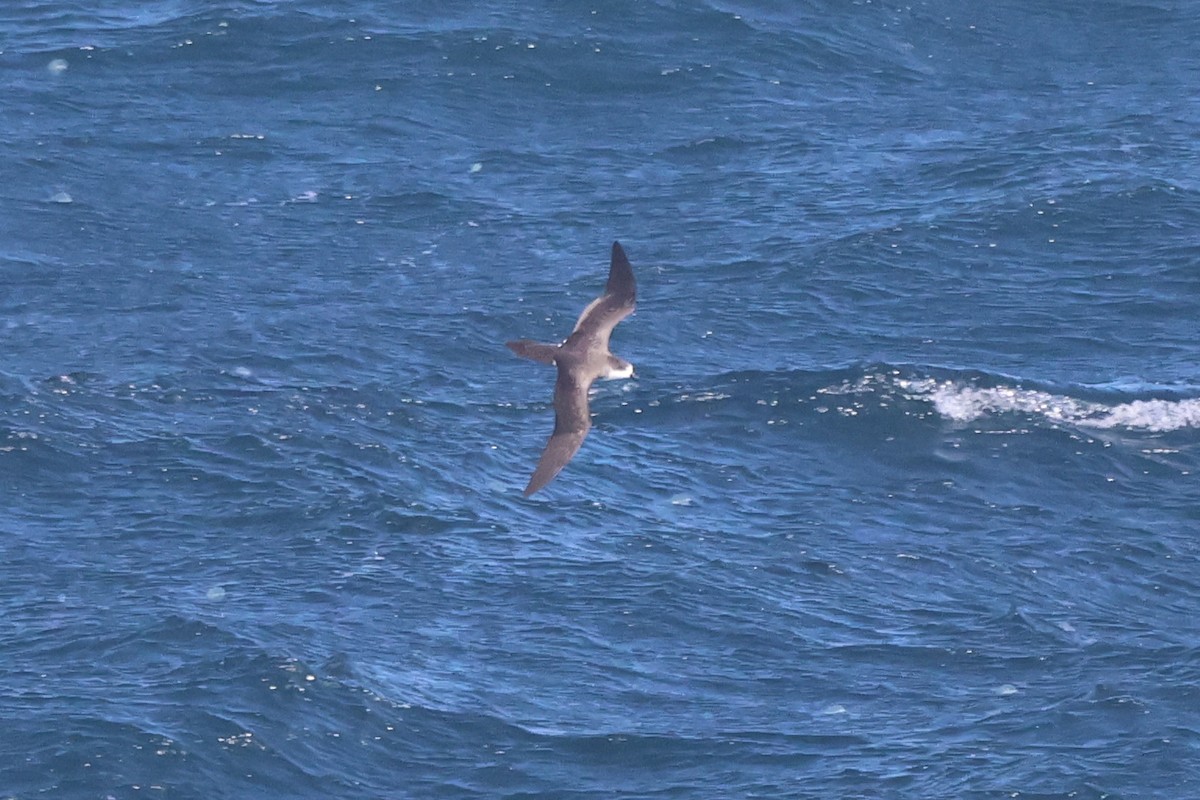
[[963, 402], [955, 395]]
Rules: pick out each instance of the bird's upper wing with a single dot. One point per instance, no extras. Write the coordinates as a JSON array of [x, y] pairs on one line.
[[617, 302], [572, 422]]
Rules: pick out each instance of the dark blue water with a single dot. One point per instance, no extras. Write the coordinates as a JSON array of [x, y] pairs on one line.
[[904, 501]]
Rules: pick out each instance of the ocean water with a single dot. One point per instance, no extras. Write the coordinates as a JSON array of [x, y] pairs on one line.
[[904, 501]]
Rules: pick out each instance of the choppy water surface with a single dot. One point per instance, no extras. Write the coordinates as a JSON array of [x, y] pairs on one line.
[[902, 503]]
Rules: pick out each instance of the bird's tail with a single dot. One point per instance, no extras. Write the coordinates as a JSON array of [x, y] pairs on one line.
[[534, 351]]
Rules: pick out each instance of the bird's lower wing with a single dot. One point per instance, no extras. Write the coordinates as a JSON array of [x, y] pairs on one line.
[[561, 448], [571, 424]]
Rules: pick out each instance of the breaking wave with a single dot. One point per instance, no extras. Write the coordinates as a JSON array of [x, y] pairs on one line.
[[963, 402]]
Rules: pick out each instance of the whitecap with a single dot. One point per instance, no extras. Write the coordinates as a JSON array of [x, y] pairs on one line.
[[1151, 415], [961, 403]]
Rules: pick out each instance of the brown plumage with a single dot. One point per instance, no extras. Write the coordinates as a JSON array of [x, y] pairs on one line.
[[581, 359]]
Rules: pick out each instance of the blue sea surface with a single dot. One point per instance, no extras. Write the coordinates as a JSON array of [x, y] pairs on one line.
[[904, 501]]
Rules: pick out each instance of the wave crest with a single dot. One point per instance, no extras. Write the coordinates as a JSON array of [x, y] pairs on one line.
[[963, 402]]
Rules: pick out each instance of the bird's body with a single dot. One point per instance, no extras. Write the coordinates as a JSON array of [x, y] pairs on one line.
[[581, 359]]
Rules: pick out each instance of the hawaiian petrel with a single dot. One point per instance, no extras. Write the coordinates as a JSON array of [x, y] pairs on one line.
[[581, 359]]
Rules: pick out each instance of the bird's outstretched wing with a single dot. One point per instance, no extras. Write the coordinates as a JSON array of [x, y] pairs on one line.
[[572, 421], [618, 301]]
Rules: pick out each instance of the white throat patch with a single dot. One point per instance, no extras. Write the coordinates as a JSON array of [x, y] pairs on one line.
[[618, 372]]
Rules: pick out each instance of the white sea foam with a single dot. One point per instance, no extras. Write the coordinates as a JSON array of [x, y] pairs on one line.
[[1152, 415], [963, 403]]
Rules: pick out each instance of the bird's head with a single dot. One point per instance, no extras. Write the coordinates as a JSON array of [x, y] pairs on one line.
[[618, 368]]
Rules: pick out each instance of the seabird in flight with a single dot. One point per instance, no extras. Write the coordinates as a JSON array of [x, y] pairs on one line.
[[581, 358]]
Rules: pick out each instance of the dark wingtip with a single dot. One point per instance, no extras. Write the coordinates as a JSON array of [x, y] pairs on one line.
[[620, 274], [539, 480], [618, 253], [534, 486]]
